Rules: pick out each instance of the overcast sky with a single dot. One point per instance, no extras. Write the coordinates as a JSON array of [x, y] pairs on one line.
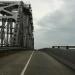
[[54, 22]]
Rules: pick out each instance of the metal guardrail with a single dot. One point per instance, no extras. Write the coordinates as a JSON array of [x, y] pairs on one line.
[[66, 47]]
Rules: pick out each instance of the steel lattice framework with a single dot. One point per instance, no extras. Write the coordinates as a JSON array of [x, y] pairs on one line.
[[16, 24]]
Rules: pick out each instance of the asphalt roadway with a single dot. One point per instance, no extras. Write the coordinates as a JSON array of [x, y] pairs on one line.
[[32, 63]]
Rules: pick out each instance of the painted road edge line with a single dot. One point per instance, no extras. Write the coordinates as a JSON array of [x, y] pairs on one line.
[[23, 71]]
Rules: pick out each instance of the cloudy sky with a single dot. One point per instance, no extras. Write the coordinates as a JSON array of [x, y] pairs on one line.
[[54, 22]]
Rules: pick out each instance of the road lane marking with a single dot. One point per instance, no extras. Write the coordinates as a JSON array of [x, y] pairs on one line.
[[23, 71]]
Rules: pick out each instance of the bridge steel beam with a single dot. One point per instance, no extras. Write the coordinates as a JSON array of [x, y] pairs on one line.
[[16, 25]]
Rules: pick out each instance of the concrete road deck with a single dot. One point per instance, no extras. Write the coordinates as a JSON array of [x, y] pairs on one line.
[[38, 63]]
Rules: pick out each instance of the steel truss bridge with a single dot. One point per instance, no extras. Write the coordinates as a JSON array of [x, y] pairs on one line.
[[16, 24]]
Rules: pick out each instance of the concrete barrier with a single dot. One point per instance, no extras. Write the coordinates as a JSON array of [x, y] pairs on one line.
[[5, 51], [65, 56]]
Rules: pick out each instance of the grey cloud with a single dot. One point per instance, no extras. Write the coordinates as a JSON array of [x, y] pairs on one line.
[[61, 24]]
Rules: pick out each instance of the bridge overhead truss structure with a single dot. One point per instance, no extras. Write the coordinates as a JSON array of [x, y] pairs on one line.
[[16, 24]]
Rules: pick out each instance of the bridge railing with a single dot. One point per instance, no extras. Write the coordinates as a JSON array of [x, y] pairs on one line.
[[64, 47]]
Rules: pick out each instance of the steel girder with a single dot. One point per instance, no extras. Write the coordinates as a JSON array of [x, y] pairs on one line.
[[16, 24]]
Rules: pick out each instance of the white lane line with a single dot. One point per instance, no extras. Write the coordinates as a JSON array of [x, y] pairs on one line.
[[23, 71]]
